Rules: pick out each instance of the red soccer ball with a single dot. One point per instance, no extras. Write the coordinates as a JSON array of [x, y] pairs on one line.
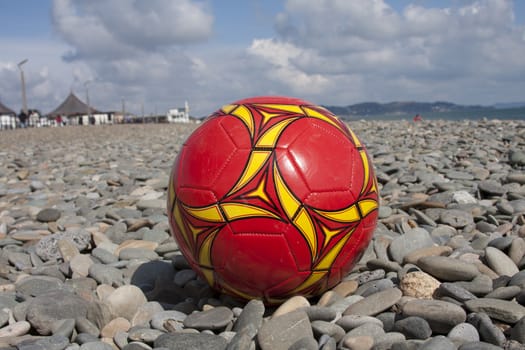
[[272, 197]]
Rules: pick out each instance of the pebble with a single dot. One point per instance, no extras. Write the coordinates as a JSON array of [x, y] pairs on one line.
[[447, 268], [76, 235], [215, 318], [375, 303], [419, 285], [503, 310], [414, 239], [463, 333], [440, 315], [283, 331], [500, 262]]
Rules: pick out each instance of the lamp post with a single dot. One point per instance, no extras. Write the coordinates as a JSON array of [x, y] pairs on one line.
[[24, 99], [87, 100]]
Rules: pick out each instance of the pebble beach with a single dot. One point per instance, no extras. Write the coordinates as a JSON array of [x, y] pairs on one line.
[[87, 260]]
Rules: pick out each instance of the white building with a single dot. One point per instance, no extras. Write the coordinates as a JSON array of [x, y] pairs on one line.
[[179, 115]]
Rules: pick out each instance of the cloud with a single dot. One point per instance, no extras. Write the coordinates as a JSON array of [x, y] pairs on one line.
[[101, 29], [418, 52]]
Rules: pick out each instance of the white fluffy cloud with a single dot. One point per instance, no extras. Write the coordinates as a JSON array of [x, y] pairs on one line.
[[419, 53]]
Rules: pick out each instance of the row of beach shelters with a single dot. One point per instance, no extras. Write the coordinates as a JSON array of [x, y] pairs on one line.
[[73, 111], [7, 117]]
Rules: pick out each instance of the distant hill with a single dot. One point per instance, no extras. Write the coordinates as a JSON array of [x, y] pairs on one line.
[[393, 108], [509, 105]]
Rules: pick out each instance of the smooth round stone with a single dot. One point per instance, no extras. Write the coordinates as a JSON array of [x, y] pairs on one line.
[[332, 329], [517, 250], [385, 265], [251, 315], [104, 255], [15, 330], [125, 301], [455, 291], [104, 274], [345, 288], [503, 310], [215, 318], [42, 311], [21, 261], [80, 264], [361, 342], [350, 322], [518, 205], [422, 218], [118, 324], [384, 212], [375, 303], [319, 313], [137, 253], [280, 333], [416, 238], [463, 333], [419, 284], [516, 177], [340, 305], [374, 287], [292, 304], [459, 175], [38, 285], [63, 327], [145, 335], [83, 325], [413, 327], [48, 215], [505, 293], [448, 269], [456, 218], [501, 243], [518, 279], [415, 255], [479, 286], [145, 312], [370, 329], [491, 188], [500, 262], [440, 315]]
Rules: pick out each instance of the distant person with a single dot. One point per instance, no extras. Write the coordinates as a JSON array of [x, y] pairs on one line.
[[59, 120], [418, 118], [22, 118]]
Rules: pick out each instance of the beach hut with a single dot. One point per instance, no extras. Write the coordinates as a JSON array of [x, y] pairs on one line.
[[76, 112], [7, 117]]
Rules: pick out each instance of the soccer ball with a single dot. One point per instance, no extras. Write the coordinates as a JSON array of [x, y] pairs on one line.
[[272, 197]]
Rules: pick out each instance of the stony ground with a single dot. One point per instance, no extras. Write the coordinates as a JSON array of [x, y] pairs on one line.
[[87, 262]]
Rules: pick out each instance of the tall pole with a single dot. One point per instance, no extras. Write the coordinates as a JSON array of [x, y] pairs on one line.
[[24, 98], [87, 100], [124, 109]]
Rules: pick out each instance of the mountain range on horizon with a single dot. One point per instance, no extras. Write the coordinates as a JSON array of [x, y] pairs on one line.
[[409, 107]]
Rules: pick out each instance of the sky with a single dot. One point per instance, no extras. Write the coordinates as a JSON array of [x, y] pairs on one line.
[[154, 55]]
